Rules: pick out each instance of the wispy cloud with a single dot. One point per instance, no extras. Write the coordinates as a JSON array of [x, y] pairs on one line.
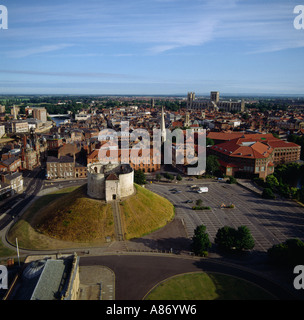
[[22, 53], [158, 25]]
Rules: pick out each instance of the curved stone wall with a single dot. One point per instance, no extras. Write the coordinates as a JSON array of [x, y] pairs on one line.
[[99, 187]]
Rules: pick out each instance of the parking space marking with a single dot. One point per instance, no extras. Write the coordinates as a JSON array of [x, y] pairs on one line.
[[270, 221]]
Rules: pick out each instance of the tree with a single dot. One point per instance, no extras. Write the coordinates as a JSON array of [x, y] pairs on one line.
[[244, 239], [179, 177], [200, 241], [225, 237], [272, 182], [229, 238], [158, 177], [212, 164], [209, 142], [139, 177]]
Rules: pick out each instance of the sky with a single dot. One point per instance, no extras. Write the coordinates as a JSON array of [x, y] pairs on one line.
[[151, 47]]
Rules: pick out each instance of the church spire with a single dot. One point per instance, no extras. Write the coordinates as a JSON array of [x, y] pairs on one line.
[[163, 126]]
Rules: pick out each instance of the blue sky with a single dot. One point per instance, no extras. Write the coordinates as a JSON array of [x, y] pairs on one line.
[[151, 47]]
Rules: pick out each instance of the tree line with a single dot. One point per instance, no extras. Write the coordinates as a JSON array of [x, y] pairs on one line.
[[228, 239]]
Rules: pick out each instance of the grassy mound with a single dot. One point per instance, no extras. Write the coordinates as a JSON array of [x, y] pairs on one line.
[[69, 216], [76, 217], [60, 219], [145, 212]]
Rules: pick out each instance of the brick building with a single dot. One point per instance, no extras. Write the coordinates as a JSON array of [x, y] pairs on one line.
[[253, 154], [60, 168]]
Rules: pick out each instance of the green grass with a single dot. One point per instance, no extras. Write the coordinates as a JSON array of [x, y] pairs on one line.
[[69, 216], [144, 213], [6, 252], [60, 219], [203, 286]]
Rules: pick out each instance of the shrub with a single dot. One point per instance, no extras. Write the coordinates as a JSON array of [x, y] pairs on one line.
[[169, 176], [290, 252], [200, 208], [199, 202], [232, 180], [268, 194]]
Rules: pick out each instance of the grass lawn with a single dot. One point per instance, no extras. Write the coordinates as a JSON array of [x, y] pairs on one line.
[[68, 218], [144, 213], [203, 286], [60, 219], [6, 252]]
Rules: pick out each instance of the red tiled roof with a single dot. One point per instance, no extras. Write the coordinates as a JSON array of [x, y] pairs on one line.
[[93, 154], [112, 176], [177, 124], [281, 144], [235, 148], [233, 135]]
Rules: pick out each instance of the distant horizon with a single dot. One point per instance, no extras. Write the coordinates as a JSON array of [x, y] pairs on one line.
[[197, 95]]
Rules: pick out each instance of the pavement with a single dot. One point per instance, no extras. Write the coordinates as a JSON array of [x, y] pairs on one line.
[[96, 283], [271, 221]]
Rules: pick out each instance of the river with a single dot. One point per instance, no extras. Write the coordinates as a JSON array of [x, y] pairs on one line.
[[59, 120]]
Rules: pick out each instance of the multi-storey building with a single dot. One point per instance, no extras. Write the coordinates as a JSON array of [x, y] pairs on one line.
[[14, 180], [11, 164], [285, 152], [40, 114], [253, 155], [145, 161], [61, 168]]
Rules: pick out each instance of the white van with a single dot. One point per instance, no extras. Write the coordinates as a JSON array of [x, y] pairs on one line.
[[202, 190]]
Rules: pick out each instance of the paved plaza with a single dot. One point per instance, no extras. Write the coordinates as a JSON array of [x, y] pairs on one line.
[[270, 221]]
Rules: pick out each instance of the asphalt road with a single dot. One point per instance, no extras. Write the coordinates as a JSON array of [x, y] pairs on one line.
[[136, 275], [34, 182], [13, 207], [270, 222]]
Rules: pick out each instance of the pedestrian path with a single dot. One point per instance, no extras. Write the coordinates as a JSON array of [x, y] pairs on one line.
[[117, 221], [248, 184]]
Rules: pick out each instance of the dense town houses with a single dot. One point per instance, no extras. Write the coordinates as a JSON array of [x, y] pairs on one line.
[[247, 138]]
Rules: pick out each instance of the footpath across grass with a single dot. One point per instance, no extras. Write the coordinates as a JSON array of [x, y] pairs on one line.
[[207, 286], [68, 218]]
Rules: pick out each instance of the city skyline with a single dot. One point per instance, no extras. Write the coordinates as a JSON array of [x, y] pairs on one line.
[[151, 47]]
